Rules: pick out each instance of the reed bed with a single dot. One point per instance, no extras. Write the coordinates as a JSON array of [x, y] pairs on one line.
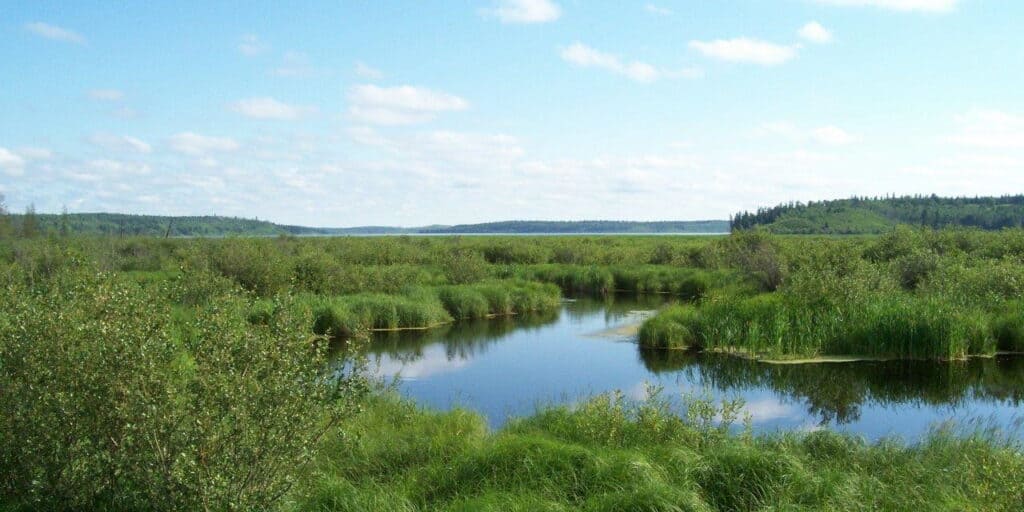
[[423, 308], [609, 454]]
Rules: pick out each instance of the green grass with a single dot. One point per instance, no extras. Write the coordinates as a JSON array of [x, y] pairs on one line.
[[671, 328], [608, 454], [685, 282], [421, 308], [773, 325]]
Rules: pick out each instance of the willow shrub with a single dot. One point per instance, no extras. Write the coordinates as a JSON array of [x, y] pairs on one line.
[[109, 404]]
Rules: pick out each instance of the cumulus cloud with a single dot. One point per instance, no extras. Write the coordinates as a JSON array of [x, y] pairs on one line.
[[815, 33], [587, 57], [250, 45], [194, 144], [898, 5], [11, 162], [402, 105], [54, 32], [106, 94], [746, 50], [992, 129], [121, 143], [267, 108], [368, 72], [525, 11]]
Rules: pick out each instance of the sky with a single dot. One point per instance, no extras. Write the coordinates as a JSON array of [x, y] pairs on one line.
[[358, 112]]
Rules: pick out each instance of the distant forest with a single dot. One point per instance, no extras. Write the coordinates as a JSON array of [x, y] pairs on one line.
[[31, 223], [863, 215]]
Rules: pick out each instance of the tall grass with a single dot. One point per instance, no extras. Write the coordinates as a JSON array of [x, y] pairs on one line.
[[773, 325], [421, 308], [610, 454]]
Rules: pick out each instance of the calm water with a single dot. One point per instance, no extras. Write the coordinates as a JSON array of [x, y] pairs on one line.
[[508, 367]]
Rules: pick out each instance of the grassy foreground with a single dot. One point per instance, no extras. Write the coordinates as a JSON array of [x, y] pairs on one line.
[[611, 455]]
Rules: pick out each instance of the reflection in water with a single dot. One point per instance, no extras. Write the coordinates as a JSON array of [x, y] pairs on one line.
[[460, 340], [508, 366], [835, 392]]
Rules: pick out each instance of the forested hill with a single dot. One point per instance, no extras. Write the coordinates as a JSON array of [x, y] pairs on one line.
[[116, 224], [586, 226], [860, 215]]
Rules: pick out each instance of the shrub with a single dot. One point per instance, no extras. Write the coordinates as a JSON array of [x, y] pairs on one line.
[[253, 264], [464, 265], [106, 406]]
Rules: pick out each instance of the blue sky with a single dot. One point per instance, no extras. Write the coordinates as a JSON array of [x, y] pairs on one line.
[[411, 113]]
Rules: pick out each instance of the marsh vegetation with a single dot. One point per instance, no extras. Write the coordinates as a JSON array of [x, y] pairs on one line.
[[171, 374]]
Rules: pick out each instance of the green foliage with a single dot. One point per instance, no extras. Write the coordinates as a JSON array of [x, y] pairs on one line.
[[254, 265], [463, 266], [111, 405]]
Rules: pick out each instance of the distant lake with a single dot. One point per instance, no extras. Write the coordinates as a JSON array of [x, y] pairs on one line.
[[508, 367]]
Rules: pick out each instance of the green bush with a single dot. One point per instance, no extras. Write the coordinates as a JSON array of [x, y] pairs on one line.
[[108, 406], [463, 266], [254, 264]]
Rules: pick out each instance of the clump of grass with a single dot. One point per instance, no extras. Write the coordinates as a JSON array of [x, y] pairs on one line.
[[779, 325], [424, 307], [464, 302], [572, 278], [1008, 328], [674, 327], [344, 316], [609, 453]]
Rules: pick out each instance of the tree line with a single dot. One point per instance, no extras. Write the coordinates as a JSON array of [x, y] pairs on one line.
[[876, 214]]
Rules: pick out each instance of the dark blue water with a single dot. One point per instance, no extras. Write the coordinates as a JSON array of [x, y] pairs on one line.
[[509, 367]]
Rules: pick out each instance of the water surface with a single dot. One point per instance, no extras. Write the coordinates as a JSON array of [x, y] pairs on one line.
[[508, 367]]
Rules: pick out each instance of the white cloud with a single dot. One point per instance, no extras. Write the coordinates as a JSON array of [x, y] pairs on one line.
[[119, 143], [11, 162], [655, 9], [367, 72], [585, 56], [898, 5], [189, 143], [400, 105], [106, 94], [815, 33], [54, 32], [525, 11], [746, 50], [270, 109], [251, 46], [35, 153], [117, 168], [992, 129], [769, 409]]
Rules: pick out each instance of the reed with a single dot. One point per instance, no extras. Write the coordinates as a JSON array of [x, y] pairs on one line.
[[609, 454]]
